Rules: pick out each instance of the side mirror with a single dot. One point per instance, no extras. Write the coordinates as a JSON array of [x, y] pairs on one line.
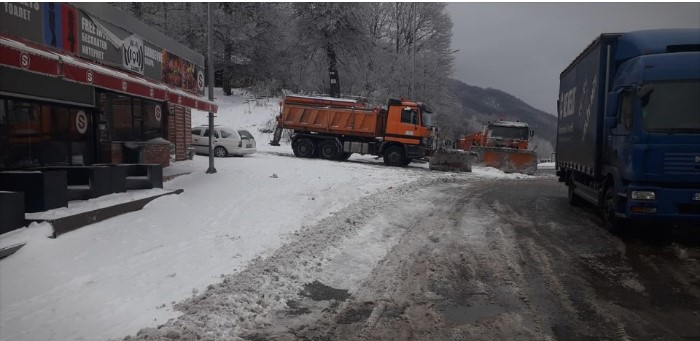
[[645, 90], [532, 133]]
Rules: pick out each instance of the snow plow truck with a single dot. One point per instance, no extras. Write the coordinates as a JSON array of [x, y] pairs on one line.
[[502, 145], [335, 128]]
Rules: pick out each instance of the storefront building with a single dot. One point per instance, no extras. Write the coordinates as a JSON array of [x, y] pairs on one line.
[[85, 83]]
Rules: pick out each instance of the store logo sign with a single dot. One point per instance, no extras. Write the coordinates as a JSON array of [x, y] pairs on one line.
[[24, 60], [200, 80], [158, 114], [89, 76], [81, 122], [133, 53]]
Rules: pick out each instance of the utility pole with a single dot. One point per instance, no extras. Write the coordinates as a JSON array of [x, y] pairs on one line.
[[210, 72], [413, 50]]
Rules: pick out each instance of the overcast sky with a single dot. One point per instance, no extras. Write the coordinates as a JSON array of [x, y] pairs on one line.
[[521, 48]]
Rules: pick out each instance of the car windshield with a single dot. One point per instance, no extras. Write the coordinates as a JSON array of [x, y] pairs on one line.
[[245, 135], [509, 132], [672, 106], [226, 133]]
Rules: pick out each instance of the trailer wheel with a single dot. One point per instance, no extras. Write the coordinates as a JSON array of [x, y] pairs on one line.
[[344, 156], [303, 148], [329, 150], [394, 156]]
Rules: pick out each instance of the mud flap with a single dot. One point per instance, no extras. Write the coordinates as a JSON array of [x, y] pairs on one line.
[[452, 160], [507, 160], [277, 136]]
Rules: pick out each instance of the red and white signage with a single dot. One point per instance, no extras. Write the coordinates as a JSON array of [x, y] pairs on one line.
[[81, 122], [158, 114], [39, 60]]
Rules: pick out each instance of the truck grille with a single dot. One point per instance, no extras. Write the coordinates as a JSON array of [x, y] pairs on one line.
[[681, 163]]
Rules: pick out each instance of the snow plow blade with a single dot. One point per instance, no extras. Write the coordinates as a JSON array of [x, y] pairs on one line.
[[451, 160], [508, 160]]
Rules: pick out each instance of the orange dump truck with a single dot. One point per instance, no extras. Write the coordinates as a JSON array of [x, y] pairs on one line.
[[333, 129], [502, 145]]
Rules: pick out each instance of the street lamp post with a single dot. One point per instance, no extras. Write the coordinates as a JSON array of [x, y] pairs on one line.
[[210, 71]]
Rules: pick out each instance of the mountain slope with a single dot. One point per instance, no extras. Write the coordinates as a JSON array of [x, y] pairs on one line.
[[473, 106]]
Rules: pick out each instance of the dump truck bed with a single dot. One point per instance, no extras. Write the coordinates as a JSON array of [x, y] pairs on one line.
[[331, 116]]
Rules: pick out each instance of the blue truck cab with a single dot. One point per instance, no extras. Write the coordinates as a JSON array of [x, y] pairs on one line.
[[628, 135]]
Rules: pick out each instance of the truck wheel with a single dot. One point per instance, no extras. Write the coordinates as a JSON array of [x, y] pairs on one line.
[[610, 220], [303, 148], [329, 150], [344, 156], [407, 161], [393, 156]]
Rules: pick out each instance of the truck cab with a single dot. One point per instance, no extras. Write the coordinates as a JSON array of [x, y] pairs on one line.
[[408, 132], [628, 135], [653, 146]]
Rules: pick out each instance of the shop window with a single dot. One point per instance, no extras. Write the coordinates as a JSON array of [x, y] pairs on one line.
[[4, 140], [3, 113], [137, 107], [122, 118], [135, 119], [152, 120], [43, 134]]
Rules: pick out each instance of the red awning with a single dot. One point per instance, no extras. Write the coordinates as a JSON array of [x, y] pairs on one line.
[[41, 60]]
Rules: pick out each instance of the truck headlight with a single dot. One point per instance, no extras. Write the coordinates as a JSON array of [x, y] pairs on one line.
[[643, 195]]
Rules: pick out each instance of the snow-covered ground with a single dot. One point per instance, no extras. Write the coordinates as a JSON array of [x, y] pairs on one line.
[[112, 278]]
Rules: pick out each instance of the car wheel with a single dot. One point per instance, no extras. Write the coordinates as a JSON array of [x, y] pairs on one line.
[[303, 148], [394, 156], [220, 151], [329, 150]]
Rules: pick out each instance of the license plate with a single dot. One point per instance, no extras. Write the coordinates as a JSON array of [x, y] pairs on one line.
[[697, 197]]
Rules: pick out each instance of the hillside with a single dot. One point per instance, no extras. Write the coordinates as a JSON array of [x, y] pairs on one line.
[[472, 106]]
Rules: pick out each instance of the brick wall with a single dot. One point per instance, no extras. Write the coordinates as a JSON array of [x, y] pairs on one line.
[[188, 127], [157, 153], [179, 125], [111, 152]]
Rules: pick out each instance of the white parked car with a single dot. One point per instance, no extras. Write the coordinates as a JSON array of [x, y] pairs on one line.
[[225, 141]]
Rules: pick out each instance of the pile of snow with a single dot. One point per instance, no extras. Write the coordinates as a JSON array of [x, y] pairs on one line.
[[115, 277], [546, 165]]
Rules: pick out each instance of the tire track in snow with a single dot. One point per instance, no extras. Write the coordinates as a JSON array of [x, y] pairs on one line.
[[248, 300]]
